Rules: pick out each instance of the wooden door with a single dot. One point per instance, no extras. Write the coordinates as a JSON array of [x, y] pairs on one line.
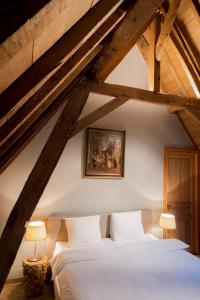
[[181, 194]]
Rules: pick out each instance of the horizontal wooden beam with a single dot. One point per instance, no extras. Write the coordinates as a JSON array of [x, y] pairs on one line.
[[166, 28], [99, 113], [142, 95], [58, 81], [30, 195], [125, 37], [15, 95]]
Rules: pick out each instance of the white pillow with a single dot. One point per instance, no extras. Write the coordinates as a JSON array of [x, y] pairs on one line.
[[126, 225], [83, 231]]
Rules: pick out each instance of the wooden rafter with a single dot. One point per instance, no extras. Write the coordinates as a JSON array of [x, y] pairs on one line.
[[186, 121], [142, 95], [99, 113], [124, 38], [153, 65], [143, 46], [27, 134], [186, 63], [185, 55], [194, 113], [38, 179], [166, 28], [16, 95], [57, 82]]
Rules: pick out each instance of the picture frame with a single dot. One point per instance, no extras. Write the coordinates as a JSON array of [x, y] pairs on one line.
[[104, 153]]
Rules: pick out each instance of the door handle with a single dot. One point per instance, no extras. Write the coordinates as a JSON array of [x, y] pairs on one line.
[[169, 206]]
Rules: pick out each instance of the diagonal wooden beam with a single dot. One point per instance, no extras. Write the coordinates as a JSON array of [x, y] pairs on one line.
[[58, 81], [23, 136], [116, 90], [15, 95], [23, 209], [143, 46], [194, 113], [186, 63], [153, 66], [99, 113], [166, 28], [185, 55], [125, 37]]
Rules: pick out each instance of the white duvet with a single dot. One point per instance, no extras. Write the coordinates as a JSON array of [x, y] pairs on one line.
[[142, 270]]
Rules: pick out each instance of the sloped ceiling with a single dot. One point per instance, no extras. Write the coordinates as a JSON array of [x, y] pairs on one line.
[[36, 27], [175, 73], [48, 22]]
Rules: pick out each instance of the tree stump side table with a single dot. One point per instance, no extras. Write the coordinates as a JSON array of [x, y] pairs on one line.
[[34, 276]]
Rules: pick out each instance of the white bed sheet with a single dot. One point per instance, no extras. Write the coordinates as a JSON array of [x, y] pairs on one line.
[[141, 270]]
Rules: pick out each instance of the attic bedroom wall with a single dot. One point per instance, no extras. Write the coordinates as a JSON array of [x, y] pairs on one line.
[[148, 129]]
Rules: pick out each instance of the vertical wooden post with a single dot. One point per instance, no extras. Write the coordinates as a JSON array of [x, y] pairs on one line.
[[153, 63], [38, 178]]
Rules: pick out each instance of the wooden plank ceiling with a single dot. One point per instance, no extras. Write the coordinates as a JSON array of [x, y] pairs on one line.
[[180, 62], [28, 101]]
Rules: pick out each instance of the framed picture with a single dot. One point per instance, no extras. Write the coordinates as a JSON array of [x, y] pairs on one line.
[[104, 153]]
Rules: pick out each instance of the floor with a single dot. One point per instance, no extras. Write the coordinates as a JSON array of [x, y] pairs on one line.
[[15, 291]]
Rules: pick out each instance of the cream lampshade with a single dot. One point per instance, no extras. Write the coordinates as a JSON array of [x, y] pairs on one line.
[[35, 231], [167, 221]]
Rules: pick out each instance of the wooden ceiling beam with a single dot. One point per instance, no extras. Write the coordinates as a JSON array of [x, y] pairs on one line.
[[125, 37], [22, 121], [143, 46], [15, 95], [166, 28], [153, 65], [186, 63], [143, 95], [194, 113], [184, 122], [173, 109], [192, 52], [58, 81], [99, 113], [30, 195], [196, 7], [183, 52], [27, 134]]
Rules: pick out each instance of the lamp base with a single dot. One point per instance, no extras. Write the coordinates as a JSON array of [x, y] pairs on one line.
[[34, 259]]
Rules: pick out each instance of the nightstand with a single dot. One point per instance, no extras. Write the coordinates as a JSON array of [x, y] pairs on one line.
[[34, 275]]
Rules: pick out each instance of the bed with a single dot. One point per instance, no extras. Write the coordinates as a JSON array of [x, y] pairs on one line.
[[144, 268]]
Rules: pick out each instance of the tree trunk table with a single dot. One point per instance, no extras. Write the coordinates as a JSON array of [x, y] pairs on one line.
[[34, 276]]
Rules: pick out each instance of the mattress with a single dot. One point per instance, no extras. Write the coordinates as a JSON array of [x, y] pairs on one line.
[[144, 269]]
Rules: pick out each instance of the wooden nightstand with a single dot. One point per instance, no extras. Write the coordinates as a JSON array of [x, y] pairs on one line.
[[34, 275]]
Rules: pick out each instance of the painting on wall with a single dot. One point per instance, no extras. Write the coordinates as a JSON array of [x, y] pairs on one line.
[[104, 153]]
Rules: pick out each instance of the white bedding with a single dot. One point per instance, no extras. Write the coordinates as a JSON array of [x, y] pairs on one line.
[[134, 270]]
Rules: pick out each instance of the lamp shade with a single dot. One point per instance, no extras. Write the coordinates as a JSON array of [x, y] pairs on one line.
[[35, 231], [167, 221]]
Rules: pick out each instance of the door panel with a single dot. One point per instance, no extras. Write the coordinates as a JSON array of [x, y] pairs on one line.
[[181, 194]]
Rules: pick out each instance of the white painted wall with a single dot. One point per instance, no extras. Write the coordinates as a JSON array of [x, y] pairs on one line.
[[148, 129]]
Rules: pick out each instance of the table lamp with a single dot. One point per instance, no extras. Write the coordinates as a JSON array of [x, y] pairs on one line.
[[35, 231], [167, 221]]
